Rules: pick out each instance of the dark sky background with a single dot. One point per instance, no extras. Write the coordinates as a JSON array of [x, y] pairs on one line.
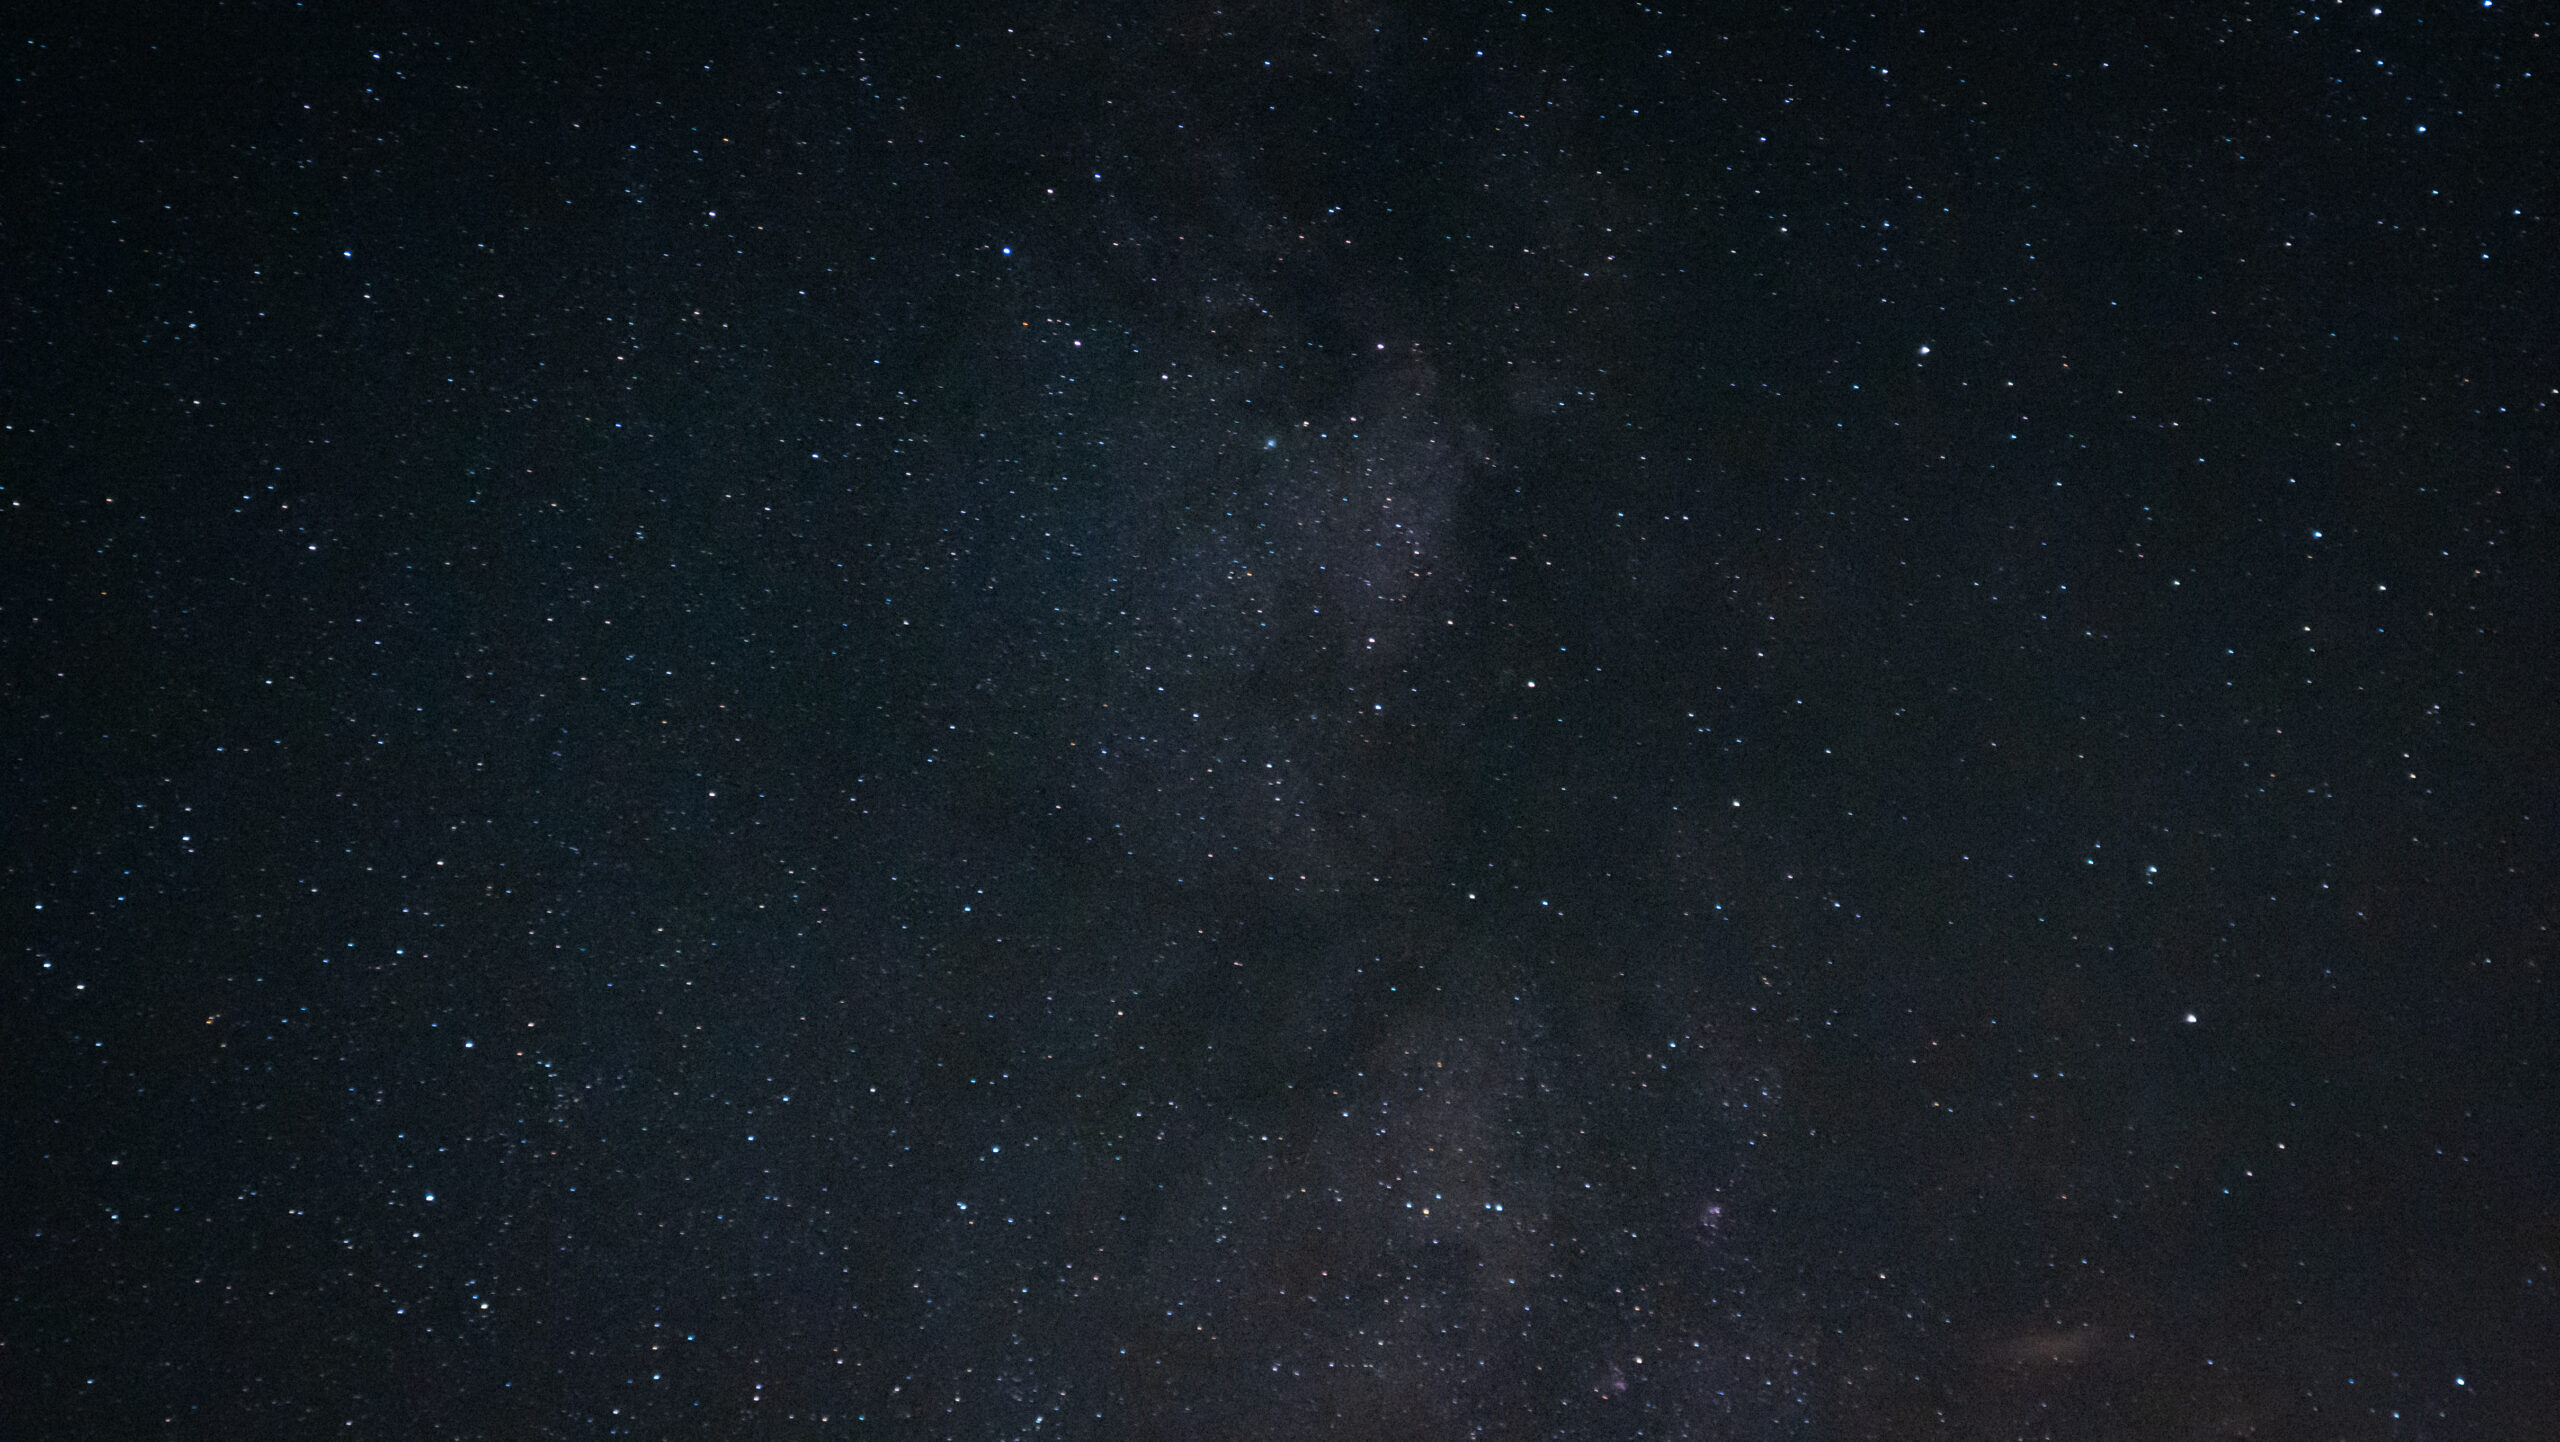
[[1158, 721]]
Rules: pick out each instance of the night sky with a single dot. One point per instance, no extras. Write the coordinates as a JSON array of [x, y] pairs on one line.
[[1314, 719]]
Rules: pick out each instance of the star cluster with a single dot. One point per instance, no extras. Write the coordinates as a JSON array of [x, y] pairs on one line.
[[1168, 721]]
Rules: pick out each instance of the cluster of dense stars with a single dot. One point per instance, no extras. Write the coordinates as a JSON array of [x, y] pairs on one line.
[[1262, 721]]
